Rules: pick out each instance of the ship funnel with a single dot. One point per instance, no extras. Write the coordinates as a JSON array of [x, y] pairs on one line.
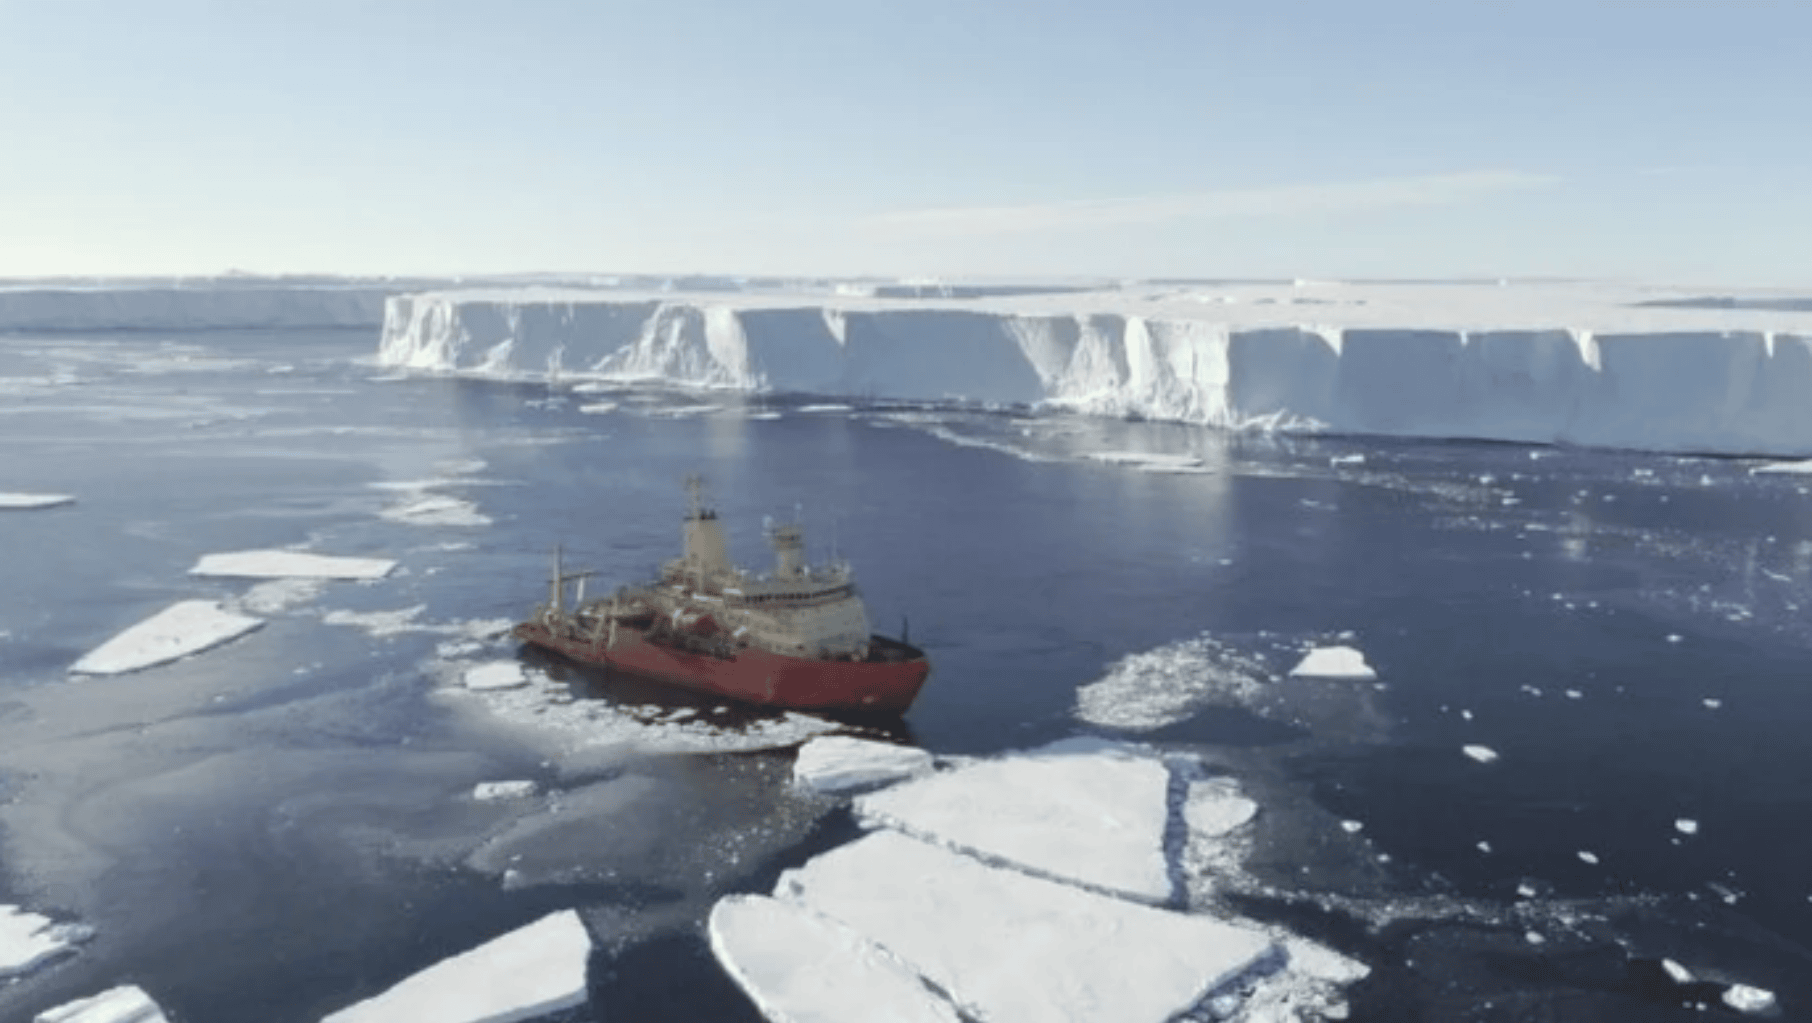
[[789, 550], [707, 554]]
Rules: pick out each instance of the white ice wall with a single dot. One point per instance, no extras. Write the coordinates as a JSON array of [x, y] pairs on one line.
[[1700, 390]]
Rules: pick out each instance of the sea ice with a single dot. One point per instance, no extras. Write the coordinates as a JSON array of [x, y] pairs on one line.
[[1143, 459], [181, 629], [1010, 948], [1482, 754], [1148, 690], [1082, 810], [525, 974], [1686, 826], [800, 967], [277, 564], [842, 763], [1679, 974], [486, 791], [1335, 662], [598, 408], [276, 595], [1744, 998], [437, 510], [29, 940], [124, 1004], [31, 502], [1785, 467], [1588, 857], [496, 675], [1215, 807]]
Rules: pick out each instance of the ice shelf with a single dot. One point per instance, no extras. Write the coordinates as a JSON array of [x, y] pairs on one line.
[[278, 564], [525, 974], [179, 630], [1081, 810], [842, 763], [1574, 363], [801, 967], [124, 1004]]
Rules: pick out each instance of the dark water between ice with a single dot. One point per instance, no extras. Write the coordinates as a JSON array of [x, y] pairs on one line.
[[281, 826]]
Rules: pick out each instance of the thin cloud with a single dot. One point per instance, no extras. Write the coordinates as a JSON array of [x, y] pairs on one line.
[[1282, 201]]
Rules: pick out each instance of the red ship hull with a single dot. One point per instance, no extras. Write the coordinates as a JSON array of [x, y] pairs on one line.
[[886, 683]]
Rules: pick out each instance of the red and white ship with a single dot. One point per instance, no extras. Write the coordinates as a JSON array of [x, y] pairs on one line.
[[796, 638]]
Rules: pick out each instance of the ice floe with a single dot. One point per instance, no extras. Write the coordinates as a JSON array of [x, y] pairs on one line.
[[279, 564], [527, 973], [436, 510], [798, 966], [1589, 858], [32, 502], [1335, 662], [1795, 468], [1008, 947], [183, 628], [29, 940], [1081, 810], [496, 675], [124, 1004], [843, 763], [1744, 998], [486, 791], [1686, 826], [1148, 690], [1214, 807], [1482, 754]]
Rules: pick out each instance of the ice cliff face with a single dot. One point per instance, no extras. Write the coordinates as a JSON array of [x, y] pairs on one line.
[[1735, 391]]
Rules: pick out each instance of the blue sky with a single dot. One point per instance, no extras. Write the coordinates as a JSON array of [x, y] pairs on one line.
[[1607, 138]]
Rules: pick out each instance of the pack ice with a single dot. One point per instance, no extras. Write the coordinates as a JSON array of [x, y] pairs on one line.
[[1583, 364], [1022, 888]]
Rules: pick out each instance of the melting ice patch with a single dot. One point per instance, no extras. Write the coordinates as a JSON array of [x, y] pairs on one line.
[[527, 973], [1147, 691], [179, 630]]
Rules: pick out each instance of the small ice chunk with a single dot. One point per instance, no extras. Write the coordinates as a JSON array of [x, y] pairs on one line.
[[179, 630], [1680, 974], [486, 791], [1588, 857], [29, 940], [1713, 704], [1466, 714], [124, 1004], [1215, 807], [1482, 754], [842, 763], [798, 966], [1335, 662], [277, 564], [1574, 694], [496, 675], [598, 408], [1347, 460], [525, 974], [32, 502], [1485, 847], [1525, 890], [1534, 938], [1674, 637], [1744, 998], [437, 510], [1352, 827], [1686, 826]]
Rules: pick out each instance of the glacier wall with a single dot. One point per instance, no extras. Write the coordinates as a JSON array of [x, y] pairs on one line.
[[1701, 390]]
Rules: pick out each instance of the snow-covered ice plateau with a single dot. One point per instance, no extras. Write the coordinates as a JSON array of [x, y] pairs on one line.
[[1574, 363]]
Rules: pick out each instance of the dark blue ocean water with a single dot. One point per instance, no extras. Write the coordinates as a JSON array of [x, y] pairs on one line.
[[281, 824]]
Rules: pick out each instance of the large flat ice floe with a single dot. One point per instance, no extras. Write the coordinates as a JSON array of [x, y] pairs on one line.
[[1541, 362], [279, 564], [527, 973], [179, 630], [124, 1004], [1082, 811], [1016, 949], [802, 967]]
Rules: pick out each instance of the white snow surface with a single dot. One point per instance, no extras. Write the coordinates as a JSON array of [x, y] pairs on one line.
[[525, 974], [1010, 948], [279, 564], [1081, 810], [124, 1004], [179, 630], [29, 940], [1541, 362], [844, 763], [798, 966], [13, 501], [1335, 662]]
